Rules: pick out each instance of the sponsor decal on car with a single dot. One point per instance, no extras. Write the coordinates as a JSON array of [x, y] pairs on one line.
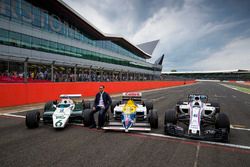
[[132, 94], [60, 117], [129, 107]]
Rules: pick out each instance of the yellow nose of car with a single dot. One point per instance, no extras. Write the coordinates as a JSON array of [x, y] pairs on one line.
[[129, 107]]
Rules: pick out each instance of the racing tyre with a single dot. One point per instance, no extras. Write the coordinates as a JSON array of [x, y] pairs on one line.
[[217, 106], [106, 118], [114, 103], [153, 119], [222, 122], [225, 136], [49, 106], [149, 105], [86, 105], [87, 117], [170, 117], [32, 119], [178, 106]]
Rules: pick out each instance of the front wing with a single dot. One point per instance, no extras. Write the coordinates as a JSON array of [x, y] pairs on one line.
[[218, 135], [115, 125]]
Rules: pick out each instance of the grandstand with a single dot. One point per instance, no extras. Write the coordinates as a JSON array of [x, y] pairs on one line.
[[238, 75], [50, 41]]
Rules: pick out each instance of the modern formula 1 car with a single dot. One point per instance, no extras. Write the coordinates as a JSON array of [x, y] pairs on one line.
[[132, 114], [69, 109], [198, 119]]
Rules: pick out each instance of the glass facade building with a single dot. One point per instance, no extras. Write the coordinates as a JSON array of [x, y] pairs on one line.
[[37, 26]]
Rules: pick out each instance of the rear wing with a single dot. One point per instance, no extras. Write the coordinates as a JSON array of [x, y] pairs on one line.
[[70, 96], [136, 96]]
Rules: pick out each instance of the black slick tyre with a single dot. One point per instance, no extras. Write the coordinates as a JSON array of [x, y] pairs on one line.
[[222, 122], [32, 119], [86, 105], [153, 119], [87, 117], [114, 103], [49, 106], [217, 106], [149, 105], [170, 117]]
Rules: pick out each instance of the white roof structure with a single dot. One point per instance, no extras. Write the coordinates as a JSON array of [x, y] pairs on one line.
[[205, 72], [148, 47]]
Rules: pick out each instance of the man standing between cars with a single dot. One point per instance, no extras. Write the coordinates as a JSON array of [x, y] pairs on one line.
[[101, 104]]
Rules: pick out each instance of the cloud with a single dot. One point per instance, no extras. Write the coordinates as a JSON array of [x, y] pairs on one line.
[[109, 16], [190, 31], [182, 34], [235, 55], [91, 14]]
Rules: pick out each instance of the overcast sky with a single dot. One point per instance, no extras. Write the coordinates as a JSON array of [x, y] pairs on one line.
[[195, 35]]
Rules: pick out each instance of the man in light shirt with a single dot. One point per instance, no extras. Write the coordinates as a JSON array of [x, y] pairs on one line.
[[101, 104]]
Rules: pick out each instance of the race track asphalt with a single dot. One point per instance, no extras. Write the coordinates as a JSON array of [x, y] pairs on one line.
[[81, 146]]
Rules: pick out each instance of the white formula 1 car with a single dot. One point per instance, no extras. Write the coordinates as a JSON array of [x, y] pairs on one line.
[[132, 114], [69, 109], [198, 119]]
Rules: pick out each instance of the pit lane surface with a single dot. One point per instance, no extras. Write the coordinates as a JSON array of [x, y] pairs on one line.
[[79, 146]]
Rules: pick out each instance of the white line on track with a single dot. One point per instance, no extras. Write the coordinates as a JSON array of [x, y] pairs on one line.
[[172, 87], [13, 115], [234, 88], [169, 137], [197, 155], [21, 116], [245, 129], [205, 142], [218, 96], [158, 99]]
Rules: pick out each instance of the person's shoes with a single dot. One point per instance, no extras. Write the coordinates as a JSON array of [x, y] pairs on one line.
[[98, 127], [92, 126]]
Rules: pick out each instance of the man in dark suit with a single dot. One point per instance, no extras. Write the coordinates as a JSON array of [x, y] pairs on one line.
[[101, 104]]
